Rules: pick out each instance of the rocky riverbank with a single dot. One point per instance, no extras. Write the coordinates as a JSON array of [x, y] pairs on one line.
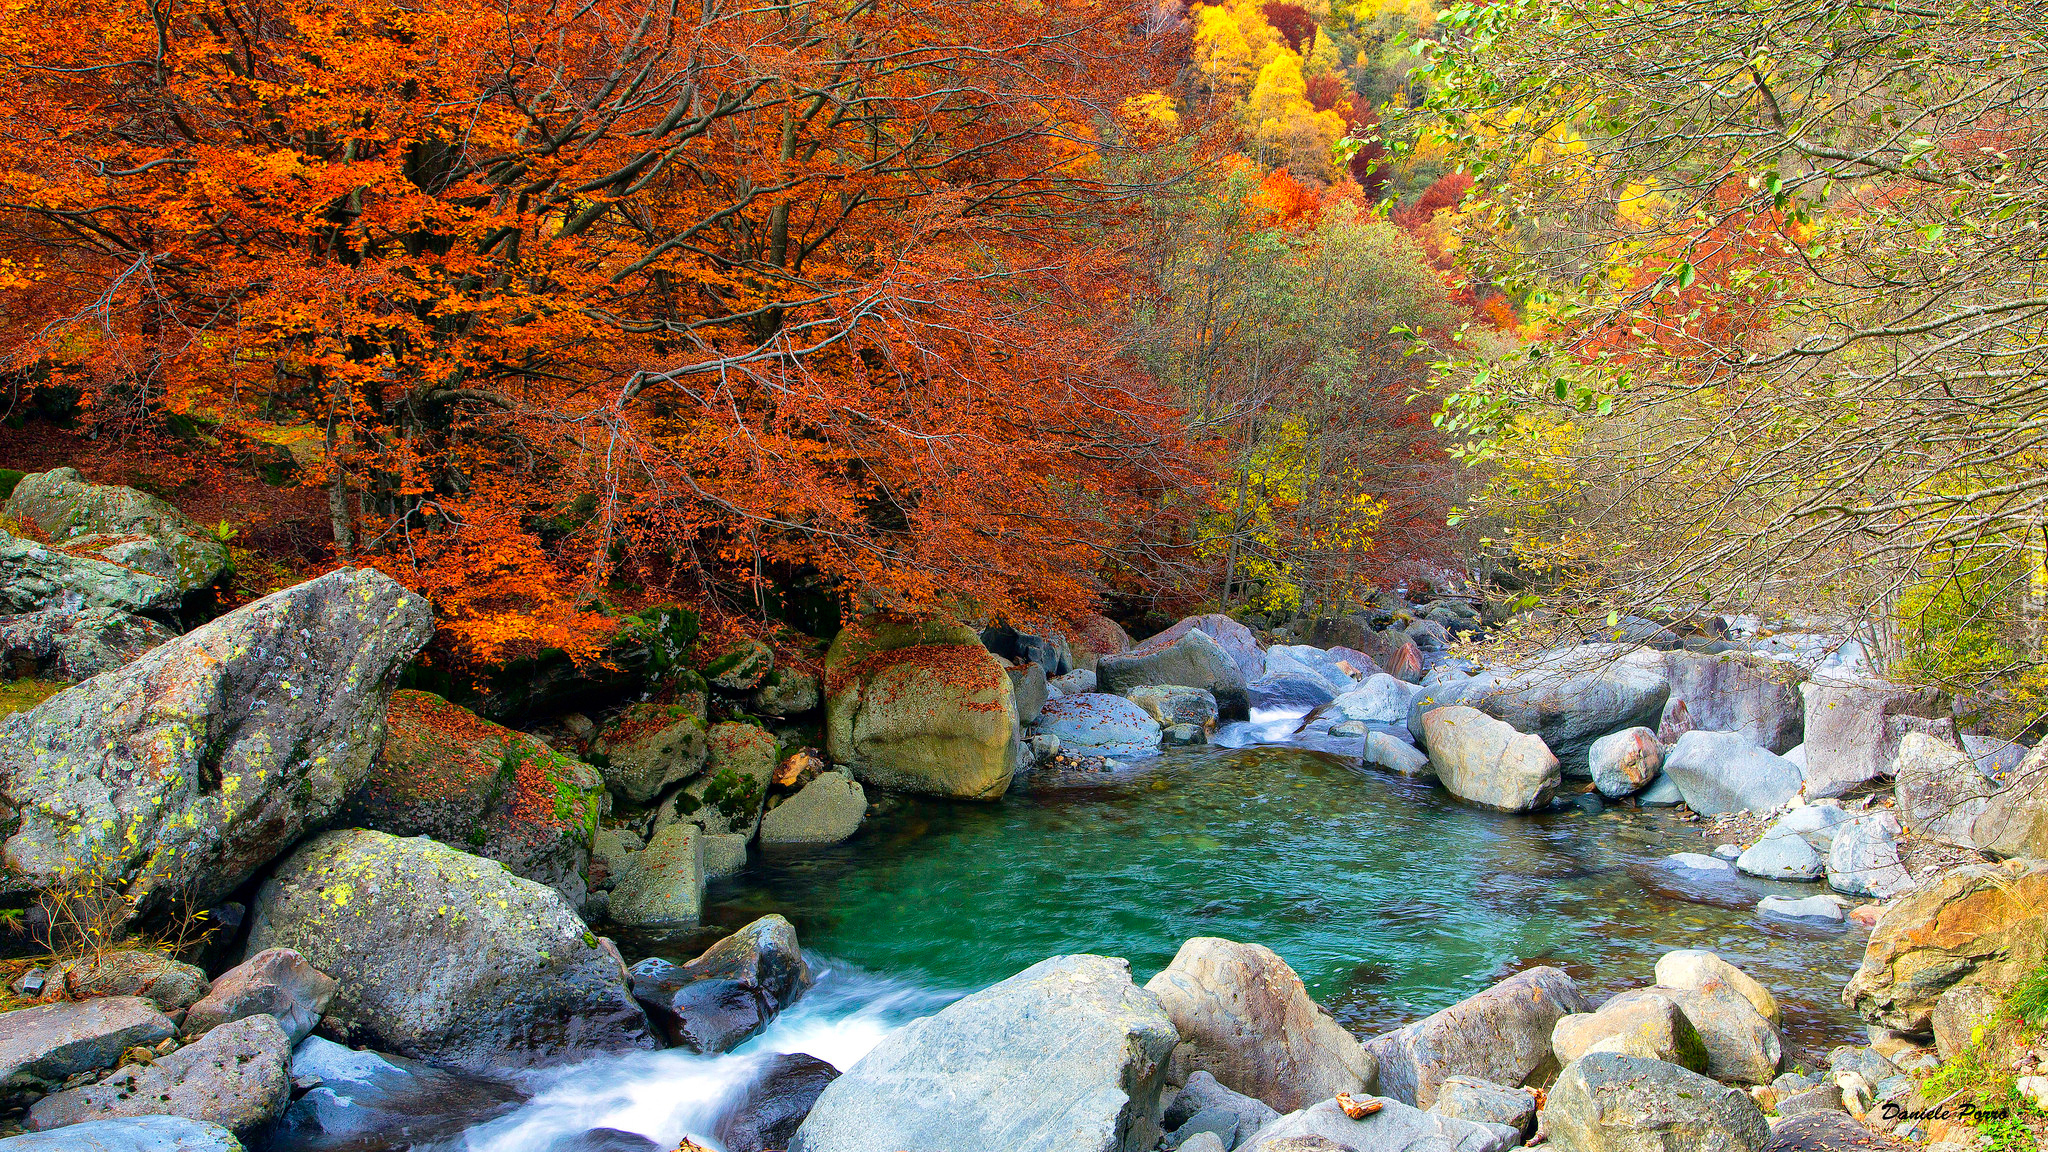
[[413, 902]]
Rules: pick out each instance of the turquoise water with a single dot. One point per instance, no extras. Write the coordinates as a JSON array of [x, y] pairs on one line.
[[1389, 898]]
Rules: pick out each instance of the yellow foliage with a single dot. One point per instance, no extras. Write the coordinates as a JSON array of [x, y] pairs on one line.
[[1156, 106], [1233, 42]]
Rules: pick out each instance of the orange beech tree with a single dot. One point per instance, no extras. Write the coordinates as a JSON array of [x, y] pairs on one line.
[[553, 299]]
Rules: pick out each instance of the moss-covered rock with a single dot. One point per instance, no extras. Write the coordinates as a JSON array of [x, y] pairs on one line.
[[921, 706], [130, 528], [447, 957], [654, 745], [741, 667], [447, 773]]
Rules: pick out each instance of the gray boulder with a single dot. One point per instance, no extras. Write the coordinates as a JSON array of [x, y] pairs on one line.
[[1203, 1096], [1569, 696], [661, 887], [1501, 1034], [1066, 1056], [1484, 1102], [59, 644], [1194, 660], [1662, 793], [121, 525], [372, 1100], [1943, 793], [921, 706], [41, 1047], [276, 982], [1306, 659], [786, 692], [1245, 1018], [1815, 823], [1623, 763], [1648, 1025], [1811, 908], [1864, 860], [1029, 690], [34, 577], [193, 766], [137, 1134], [1484, 761], [1074, 683], [1743, 1046], [1099, 724], [1782, 857], [1381, 699], [1294, 692], [1233, 637], [651, 746], [1996, 756], [237, 1076], [447, 957], [1740, 692], [1613, 1103], [1854, 727], [1395, 1127], [1720, 772], [827, 810], [168, 983], [1172, 704], [1396, 755]]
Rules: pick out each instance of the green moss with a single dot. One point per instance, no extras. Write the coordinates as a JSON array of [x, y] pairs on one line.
[[8, 479], [22, 695], [733, 794]]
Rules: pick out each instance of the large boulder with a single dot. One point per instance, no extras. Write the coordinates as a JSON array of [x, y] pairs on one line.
[[1099, 724], [1393, 1127], [1484, 761], [731, 992], [1651, 1026], [447, 773], [1245, 1018], [237, 1076], [728, 797], [1484, 1102], [1194, 659], [921, 706], [1066, 1056], [1864, 858], [192, 767], [43, 1046], [1741, 692], [35, 577], [135, 1134], [1308, 660], [446, 957], [1092, 637], [1623, 763], [1742, 1044], [1983, 924], [276, 982], [1229, 635], [59, 644], [825, 811], [1501, 1034], [653, 745], [121, 525], [768, 1111], [1380, 699], [1854, 727], [1943, 793], [1608, 1102], [1172, 704], [1720, 772], [1569, 696]]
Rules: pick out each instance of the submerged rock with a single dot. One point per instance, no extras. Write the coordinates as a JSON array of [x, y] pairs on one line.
[[921, 707], [193, 766], [729, 993], [443, 956], [1501, 1034], [1245, 1018], [1485, 761], [235, 1076], [1613, 1103], [1066, 1056]]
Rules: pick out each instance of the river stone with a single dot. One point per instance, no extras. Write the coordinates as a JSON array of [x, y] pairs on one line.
[[34, 577], [1245, 1018], [1743, 1046], [1828, 908], [728, 797], [1623, 763], [1203, 1096], [447, 957], [1312, 660], [1074, 683], [1613, 1103], [483, 788], [374, 1100], [1484, 1102], [1971, 1015], [651, 746], [1699, 968], [1485, 761], [276, 982], [236, 1076], [921, 707], [1864, 860], [1662, 793], [1099, 724], [1289, 693], [41, 1046], [168, 983], [1830, 1131], [1568, 696], [1094, 636], [1782, 857], [742, 667], [1066, 1056], [1721, 772], [1815, 822], [1396, 1127], [1501, 1034], [1741, 692], [1854, 727], [120, 524], [827, 810], [1381, 699], [1943, 793], [767, 1112], [1029, 690], [196, 764], [786, 692], [1649, 1025], [1194, 660], [662, 886], [731, 991], [1396, 755], [1979, 924], [1234, 638], [68, 646], [1172, 704], [135, 1134]]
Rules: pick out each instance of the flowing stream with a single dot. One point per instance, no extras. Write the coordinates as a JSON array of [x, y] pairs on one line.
[[1389, 898]]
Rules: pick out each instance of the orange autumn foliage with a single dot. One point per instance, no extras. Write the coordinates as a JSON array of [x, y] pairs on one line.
[[612, 300]]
